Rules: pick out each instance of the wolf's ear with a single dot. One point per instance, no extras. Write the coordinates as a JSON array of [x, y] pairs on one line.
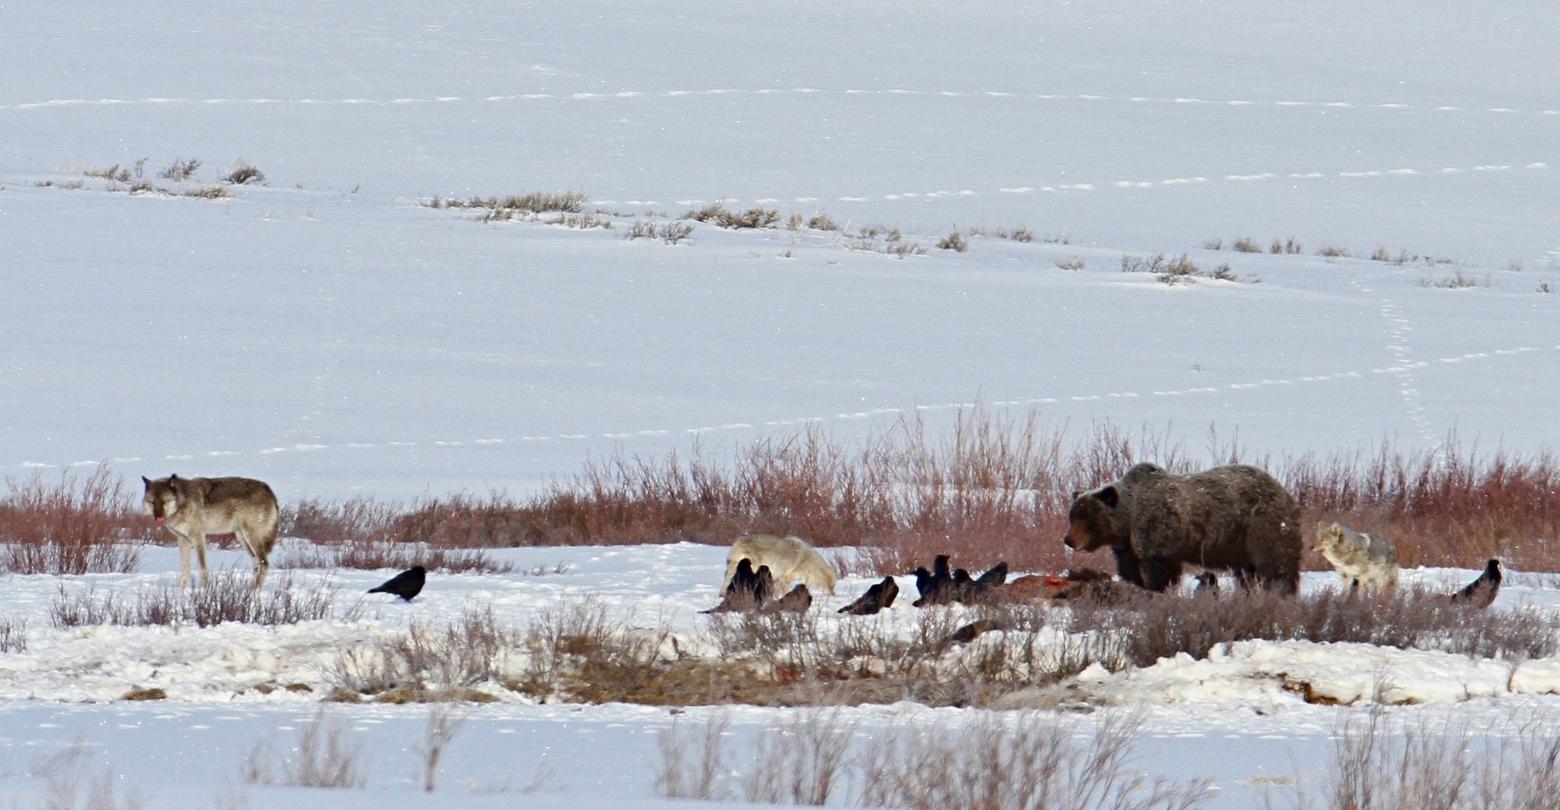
[[146, 481], [172, 478], [1109, 496]]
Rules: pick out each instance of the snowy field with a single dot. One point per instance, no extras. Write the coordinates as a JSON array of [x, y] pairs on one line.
[[330, 334], [1228, 719]]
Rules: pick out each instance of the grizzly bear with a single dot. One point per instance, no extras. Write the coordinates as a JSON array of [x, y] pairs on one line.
[[1233, 517]]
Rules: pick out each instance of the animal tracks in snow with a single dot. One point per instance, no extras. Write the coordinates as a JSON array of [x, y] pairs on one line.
[[1134, 184], [1009, 96], [1404, 368]]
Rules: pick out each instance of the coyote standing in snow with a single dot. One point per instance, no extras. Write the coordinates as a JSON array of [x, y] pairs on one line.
[[1365, 559], [192, 508], [790, 560]]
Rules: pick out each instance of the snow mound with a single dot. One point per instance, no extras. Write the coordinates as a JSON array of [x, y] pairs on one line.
[[1264, 672]]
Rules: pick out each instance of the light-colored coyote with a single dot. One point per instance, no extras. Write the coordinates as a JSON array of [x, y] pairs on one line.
[[1366, 560], [192, 508]]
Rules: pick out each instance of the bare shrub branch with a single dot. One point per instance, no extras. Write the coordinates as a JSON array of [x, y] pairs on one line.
[[320, 757], [692, 762], [1026, 761], [13, 635], [444, 723]]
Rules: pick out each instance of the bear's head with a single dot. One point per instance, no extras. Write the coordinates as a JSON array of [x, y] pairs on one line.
[[1092, 522]]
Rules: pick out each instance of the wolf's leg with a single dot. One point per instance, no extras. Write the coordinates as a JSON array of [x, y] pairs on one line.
[[184, 558], [257, 540], [200, 556]]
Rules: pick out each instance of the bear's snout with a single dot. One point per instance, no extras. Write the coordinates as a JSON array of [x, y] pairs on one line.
[[1068, 542]]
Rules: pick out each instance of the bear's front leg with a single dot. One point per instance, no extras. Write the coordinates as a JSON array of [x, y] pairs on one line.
[[1160, 573], [1127, 566]]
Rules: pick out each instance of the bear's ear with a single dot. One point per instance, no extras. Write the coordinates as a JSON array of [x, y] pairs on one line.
[[1109, 496], [1075, 494]]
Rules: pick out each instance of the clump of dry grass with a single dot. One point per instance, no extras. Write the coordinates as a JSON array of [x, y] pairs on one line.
[[424, 664], [243, 174], [1169, 271], [113, 174], [1457, 281], [322, 756], [536, 202], [74, 777], [13, 635], [719, 215], [1024, 762], [1379, 762], [1021, 761], [180, 170], [207, 193], [578, 652], [1002, 232], [954, 241], [73, 526], [229, 598], [669, 232], [444, 724]]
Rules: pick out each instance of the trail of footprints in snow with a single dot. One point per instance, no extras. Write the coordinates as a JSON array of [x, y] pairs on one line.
[[627, 95], [1404, 367], [1172, 182], [1398, 330]]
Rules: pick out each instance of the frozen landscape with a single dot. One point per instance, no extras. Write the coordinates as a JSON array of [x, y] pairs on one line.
[[333, 333]]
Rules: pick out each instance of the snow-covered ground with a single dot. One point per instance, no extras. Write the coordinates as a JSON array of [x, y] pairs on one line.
[[327, 333], [68, 684]]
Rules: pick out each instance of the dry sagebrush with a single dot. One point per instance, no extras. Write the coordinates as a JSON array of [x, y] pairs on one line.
[[229, 597], [1021, 761]]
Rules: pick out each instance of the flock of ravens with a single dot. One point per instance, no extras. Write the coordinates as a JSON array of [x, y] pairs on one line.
[[752, 590]]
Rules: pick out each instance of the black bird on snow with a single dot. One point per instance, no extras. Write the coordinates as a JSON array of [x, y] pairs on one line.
[[406, 584], [877, 597], [1482, 591]]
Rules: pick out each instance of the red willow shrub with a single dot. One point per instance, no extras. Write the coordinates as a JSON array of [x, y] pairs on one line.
[[73, 526]]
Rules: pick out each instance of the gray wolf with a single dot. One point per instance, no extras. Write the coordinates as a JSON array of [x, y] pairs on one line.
[[1366, 559], [192, 508], [789, 559], [406, 584], [1234, 517]]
